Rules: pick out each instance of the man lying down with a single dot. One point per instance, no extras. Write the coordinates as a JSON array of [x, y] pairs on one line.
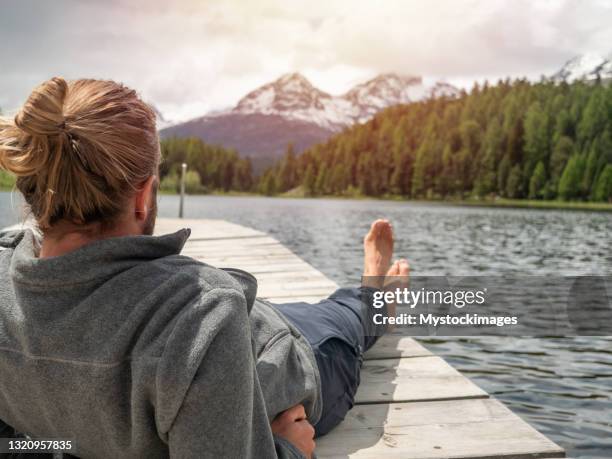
[[110, 338]]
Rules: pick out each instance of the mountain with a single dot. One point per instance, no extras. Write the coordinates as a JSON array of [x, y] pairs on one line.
[[292, 110], [588, 67], [390, 89], [292, 96]]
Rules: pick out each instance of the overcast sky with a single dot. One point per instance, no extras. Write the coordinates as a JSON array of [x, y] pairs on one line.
[[189, 57]]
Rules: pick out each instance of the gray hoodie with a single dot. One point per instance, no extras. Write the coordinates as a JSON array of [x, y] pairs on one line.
[[132, 350]]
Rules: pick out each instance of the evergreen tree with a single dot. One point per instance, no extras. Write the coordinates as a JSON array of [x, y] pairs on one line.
[[571, 180], [537, 139], [502, 174], [563, 150], [588, 181], [309, 181], [268, 184], [287, 174], [513, 186], [321, 181], [594, 119], [603, 188], [538, 182], [489, 165]]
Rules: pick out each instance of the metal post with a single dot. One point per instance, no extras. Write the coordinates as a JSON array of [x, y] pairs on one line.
[[181, 205]]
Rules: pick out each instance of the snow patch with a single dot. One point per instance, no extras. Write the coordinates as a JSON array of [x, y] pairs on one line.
[[588, 67], [294, 97]]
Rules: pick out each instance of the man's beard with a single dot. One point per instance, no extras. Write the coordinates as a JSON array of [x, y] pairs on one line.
[[149, 224]]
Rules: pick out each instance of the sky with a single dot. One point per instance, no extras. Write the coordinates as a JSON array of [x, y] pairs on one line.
[[191, 57]]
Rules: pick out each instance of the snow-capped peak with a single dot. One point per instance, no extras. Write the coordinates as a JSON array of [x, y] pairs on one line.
[[294, 82], [588, 66], [383, 91], [291, 91], [293, 96]]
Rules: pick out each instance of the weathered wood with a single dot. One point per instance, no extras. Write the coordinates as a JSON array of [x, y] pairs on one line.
[[205, 229], [413, 379], [482, 428], [395, 346]]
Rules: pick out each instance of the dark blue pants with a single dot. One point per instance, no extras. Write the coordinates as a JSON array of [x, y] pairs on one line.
[[340, 330]]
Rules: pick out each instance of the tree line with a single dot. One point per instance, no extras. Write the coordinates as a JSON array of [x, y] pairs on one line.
[[210, 167], [516, 140]]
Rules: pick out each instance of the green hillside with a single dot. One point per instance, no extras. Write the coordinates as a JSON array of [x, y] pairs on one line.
[[516, 140]]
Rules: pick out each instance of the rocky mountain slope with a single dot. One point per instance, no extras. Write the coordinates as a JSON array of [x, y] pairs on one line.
[[292, 110]]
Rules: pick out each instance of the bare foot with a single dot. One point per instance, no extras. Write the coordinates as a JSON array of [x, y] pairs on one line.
[[378, 249]]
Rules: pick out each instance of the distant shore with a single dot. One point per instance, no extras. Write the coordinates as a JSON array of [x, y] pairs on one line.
[[499, 202]]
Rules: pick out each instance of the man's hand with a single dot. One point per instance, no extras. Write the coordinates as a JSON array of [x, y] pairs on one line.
[[293, 426]]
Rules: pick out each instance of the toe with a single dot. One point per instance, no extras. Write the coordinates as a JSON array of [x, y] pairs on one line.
[[375, 229], [404, 267], [387, 230]]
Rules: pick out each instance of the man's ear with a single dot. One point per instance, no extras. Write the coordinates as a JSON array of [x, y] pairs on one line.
[[144, 198]]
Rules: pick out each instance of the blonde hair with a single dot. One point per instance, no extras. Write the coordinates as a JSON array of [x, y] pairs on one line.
[[79, 149]]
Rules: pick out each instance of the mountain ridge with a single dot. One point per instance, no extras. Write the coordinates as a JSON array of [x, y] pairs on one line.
[[302, 113], [294, 96]]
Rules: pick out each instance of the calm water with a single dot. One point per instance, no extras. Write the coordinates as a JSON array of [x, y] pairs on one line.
[[562, 386]]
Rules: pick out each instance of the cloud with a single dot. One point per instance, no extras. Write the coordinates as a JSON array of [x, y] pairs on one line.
[[189, 57]]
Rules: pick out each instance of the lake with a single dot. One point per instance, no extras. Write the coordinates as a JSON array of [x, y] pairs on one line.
[[562, 386]]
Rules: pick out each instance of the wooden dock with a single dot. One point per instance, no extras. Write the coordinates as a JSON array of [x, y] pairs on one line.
[[411, 403]]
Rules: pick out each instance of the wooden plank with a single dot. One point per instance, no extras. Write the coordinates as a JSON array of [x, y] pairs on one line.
[[255, 241], [293, 299], [413, 379], [226, 248], [205, 229], [290, 275], [259, 268], [251, 241], [312, 283], [269, 292], [396, 346], [482, 428], [245, 257]]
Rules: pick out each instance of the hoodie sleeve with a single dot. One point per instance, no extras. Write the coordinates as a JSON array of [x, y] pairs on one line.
[[222, 413]]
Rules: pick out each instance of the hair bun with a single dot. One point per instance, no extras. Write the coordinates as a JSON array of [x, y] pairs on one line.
[[43, 112]]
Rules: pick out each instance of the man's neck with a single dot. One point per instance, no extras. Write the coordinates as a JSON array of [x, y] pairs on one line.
[[64, 238]]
